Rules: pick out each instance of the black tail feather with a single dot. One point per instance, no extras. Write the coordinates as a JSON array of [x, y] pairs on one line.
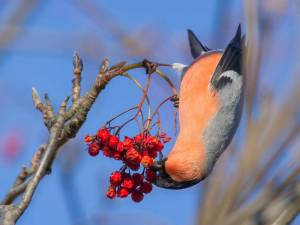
[[197, 48]]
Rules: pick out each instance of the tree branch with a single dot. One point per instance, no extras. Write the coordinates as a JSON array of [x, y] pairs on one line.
[[23, 178], [62, 127]]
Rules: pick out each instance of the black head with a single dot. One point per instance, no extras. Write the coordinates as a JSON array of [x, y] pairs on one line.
[[163, 180]]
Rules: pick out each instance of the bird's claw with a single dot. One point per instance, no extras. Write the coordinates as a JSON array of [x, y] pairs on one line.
[[175, 100], [152, 66], [149, 66]]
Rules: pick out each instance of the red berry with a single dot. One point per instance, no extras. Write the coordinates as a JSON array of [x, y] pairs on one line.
[[117, 155], [146, 187], [111, 192], [139, 139], [150, 175], [123, 192], [128, 182], [94, 149], [137, 178], [116, 178], [104, 135], [152, 153], [88, 139], [147, 161], [107, 152], [159, 146], [113, 142], [132, 165], [133, 156], [137, 196], [120, 147], [152, 142], [127, 143]]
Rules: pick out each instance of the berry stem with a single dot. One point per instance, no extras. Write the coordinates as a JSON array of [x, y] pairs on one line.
[[145, 91], [120, 114]]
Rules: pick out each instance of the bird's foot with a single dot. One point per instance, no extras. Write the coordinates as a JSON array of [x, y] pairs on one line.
[[152, 66], [175, 100], [149, 66]]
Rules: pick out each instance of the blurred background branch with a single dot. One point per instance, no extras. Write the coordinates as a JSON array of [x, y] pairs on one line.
[[11, 27], [258, 186]]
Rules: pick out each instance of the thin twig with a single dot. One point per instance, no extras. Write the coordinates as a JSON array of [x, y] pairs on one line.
[[22, 179], [77, 70]]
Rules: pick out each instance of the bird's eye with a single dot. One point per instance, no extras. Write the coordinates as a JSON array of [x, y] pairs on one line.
[[223, 81]]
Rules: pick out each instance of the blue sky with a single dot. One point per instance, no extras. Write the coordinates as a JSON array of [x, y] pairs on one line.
[[44, 61]]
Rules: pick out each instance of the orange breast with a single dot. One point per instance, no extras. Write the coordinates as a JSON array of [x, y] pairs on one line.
[[198, 104]]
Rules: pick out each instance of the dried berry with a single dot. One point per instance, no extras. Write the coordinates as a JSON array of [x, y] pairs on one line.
[[134, 166], [150, 175], [146, 187], [137, 196], [138, 179]]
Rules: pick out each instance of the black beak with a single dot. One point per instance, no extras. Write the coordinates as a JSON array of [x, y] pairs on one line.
[[163, 180]]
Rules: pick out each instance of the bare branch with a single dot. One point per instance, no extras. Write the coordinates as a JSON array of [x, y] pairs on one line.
[[14, 191], [77, 70], [46, 110], [50, 152], [62, 127], [37, 101], [8, 214], [22, 176], [35, 161], [22, 179], [50, 110], [253, 55], [289, 213]]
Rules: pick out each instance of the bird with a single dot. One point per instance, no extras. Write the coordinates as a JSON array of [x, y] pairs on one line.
[[210, 108]]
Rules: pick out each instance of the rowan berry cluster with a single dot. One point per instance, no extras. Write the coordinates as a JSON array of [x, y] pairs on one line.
[[135, 153]]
